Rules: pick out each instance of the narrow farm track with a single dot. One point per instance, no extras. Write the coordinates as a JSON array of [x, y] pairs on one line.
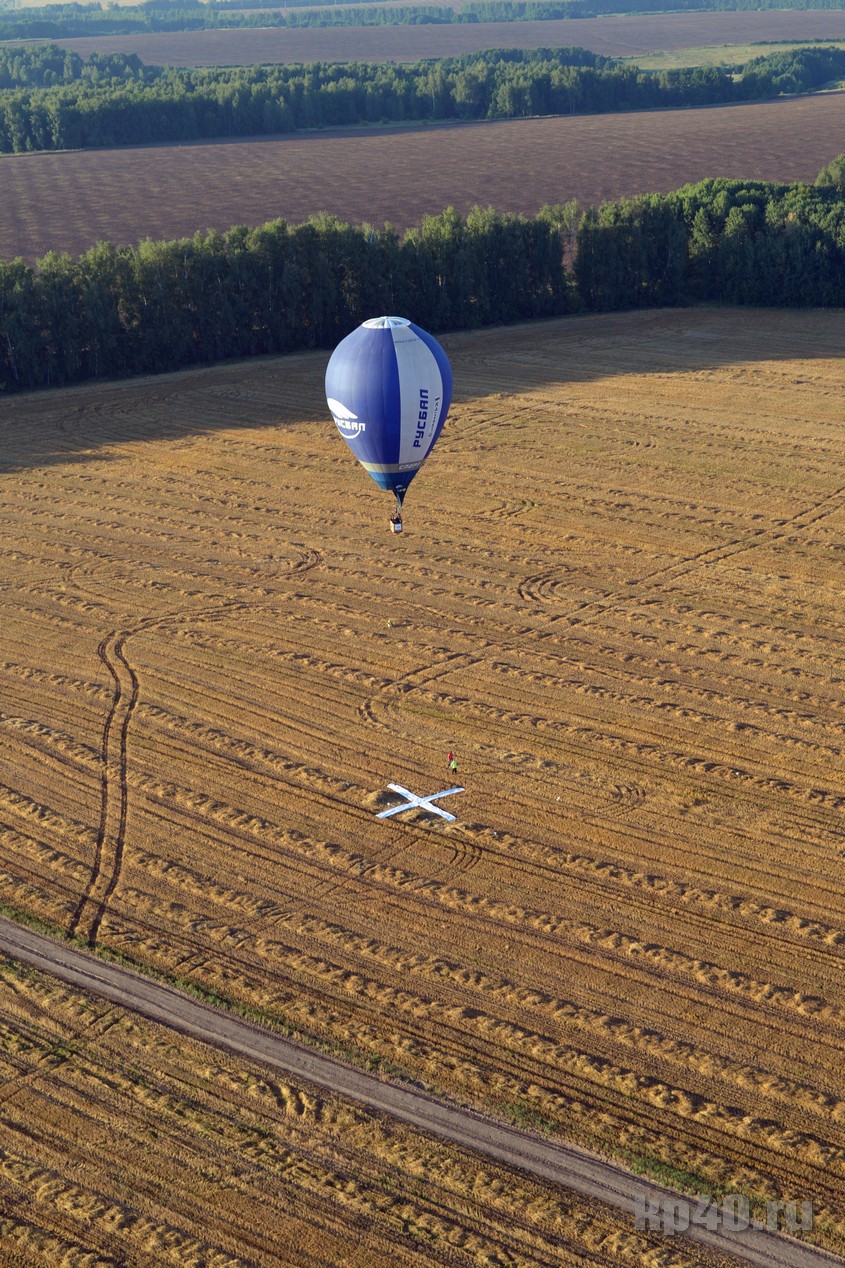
[[308, 1166], [617, 600], [574, 1169]]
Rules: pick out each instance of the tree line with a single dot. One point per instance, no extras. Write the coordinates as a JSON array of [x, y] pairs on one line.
[[119, 311], [50, 99], [64, 21], [49, 65], [729, 242]]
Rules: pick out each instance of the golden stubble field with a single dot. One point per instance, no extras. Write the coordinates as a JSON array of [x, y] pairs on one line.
[[618, 600], [123, 1144]]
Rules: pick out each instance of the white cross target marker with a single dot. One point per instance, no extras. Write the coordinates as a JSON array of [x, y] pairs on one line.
[[423, 803]]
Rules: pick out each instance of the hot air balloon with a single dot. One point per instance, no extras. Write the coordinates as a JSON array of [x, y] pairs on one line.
[[389, 387]]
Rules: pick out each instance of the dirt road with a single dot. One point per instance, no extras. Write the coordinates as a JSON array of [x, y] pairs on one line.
[[570, 1167]]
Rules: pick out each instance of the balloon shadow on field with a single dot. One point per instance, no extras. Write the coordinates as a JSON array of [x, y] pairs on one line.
[[92, 420]]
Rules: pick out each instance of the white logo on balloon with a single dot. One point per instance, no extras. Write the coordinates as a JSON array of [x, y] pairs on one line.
[[347, 423]]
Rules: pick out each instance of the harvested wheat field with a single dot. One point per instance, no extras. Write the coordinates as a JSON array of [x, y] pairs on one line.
[[68, 201], [620, 36], [125, 1145], [618, 600]]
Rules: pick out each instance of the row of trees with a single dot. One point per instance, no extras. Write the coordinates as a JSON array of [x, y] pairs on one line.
[[120, 310], [68, 20], [723, 241], [118, 101], [46, 65]]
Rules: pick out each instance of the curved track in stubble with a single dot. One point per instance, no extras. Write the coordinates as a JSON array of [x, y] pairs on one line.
[[542, 588], [114, 794], [114, 789]]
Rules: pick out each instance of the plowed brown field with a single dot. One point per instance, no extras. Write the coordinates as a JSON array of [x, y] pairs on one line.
[[618, 599], [612, 36], [68, 201]]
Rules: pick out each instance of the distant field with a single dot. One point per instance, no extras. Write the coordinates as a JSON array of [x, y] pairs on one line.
[[618, 600], [719, 54], [67, 201], [40, 4], [614, 37]]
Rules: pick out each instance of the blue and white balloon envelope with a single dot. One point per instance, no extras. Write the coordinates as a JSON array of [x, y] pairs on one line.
[[389, 388]]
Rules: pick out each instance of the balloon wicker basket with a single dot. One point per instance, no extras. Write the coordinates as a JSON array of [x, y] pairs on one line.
[[396, 526]]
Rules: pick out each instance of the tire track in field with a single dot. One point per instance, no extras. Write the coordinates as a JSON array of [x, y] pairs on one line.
[[536, 587], [541, 587], [508, 508], [114, 797], [467, 853], [114, 786], [413, 680], [46, 1051]]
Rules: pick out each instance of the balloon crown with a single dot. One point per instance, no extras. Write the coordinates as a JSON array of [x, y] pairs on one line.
[[385, 323]]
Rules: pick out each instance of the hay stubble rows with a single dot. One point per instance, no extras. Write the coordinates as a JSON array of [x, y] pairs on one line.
[[122, 1145], [617, 599]]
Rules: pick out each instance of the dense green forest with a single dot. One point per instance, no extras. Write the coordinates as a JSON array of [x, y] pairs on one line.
[[46, 65], [120, 311], [68, 20], [51, 99]]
